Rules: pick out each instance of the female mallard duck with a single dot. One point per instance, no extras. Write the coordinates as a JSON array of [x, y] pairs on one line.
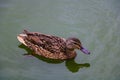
[[51, 46]]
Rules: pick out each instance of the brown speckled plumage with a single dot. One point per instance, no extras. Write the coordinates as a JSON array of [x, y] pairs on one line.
[[49, 46]]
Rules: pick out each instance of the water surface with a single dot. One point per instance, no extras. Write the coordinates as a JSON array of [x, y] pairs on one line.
[[95, 22]]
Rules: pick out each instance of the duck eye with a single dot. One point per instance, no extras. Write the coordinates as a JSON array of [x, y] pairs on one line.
[[76, 43]]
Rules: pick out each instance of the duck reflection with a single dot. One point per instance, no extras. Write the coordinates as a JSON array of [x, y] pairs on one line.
[[74, 67], [70, 63]]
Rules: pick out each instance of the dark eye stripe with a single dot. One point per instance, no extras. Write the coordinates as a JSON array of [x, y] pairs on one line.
[[77, 43]]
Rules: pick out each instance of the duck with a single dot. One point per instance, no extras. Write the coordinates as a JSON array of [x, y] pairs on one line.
[[50, 46]]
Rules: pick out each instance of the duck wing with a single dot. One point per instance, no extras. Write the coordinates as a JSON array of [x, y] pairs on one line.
[[50, 43]]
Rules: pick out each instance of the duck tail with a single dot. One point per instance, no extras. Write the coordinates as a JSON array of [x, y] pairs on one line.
[[25, 31]]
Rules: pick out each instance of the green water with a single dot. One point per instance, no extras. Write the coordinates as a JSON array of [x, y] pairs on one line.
[[95, 22]]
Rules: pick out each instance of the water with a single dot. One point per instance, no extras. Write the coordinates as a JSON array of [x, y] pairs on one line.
[[94, 22]]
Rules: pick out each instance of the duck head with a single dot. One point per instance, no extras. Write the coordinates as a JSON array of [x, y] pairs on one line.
[[74, 43]]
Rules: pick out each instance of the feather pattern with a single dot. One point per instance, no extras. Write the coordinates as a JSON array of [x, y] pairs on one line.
[[51, 46]]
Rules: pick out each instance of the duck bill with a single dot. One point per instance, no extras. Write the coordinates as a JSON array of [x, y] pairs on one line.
[[84, 50]]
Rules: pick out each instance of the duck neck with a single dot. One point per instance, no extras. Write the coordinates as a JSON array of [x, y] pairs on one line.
[[68, 51]]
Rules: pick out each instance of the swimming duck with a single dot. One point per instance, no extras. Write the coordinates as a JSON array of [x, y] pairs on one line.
[[50, 46]]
